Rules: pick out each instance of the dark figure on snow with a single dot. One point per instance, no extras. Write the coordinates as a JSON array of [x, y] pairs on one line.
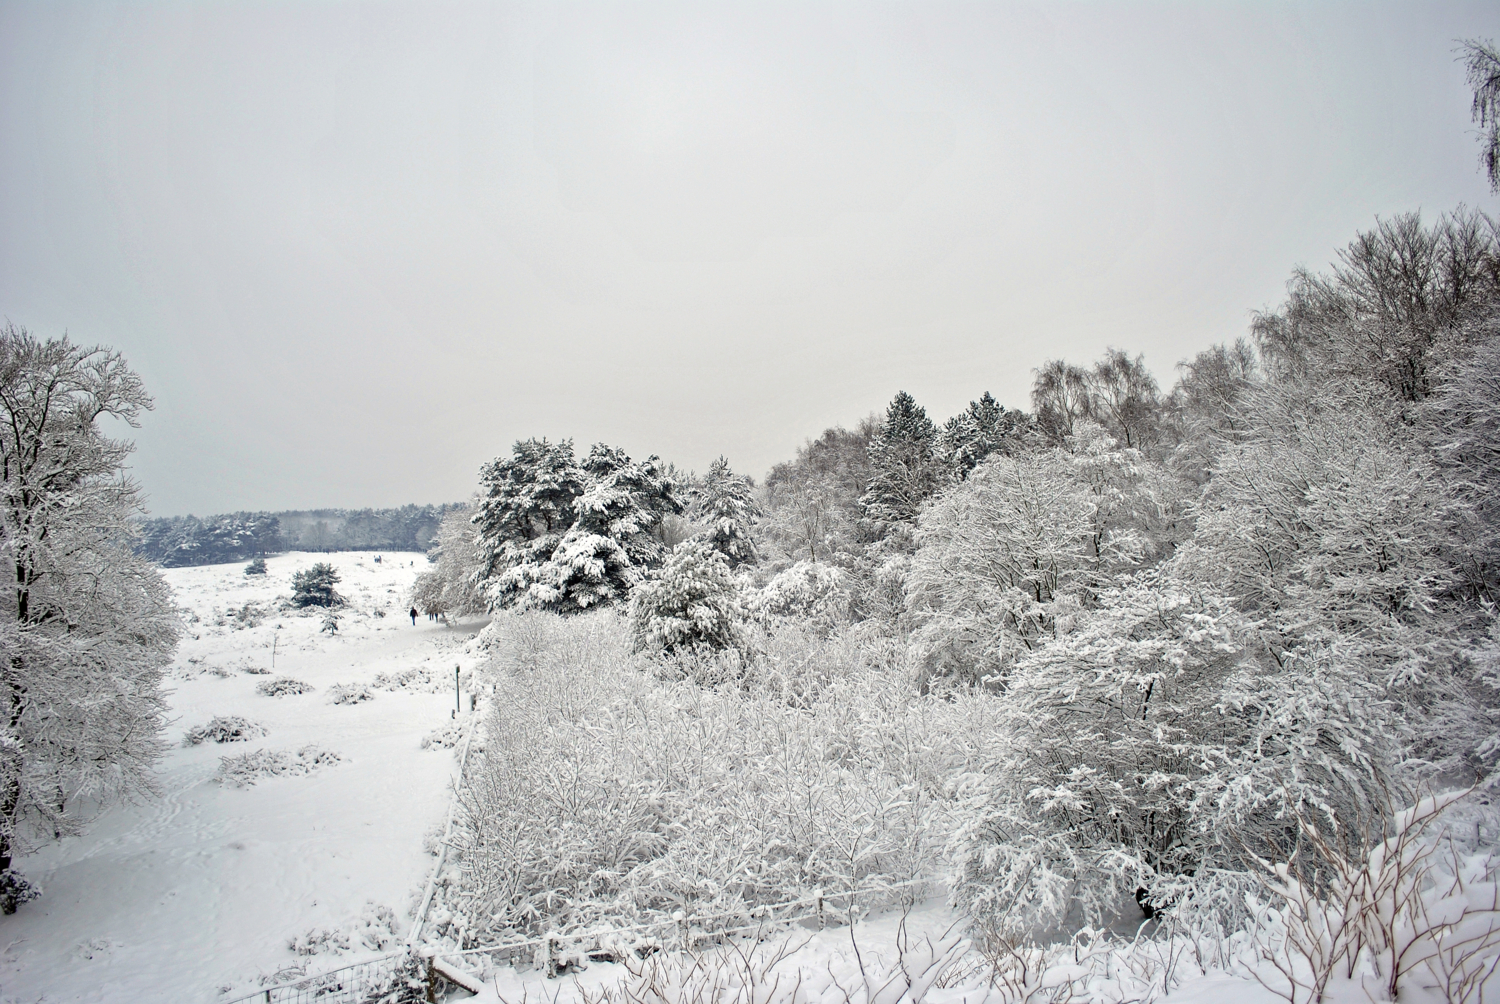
[[413, 616]]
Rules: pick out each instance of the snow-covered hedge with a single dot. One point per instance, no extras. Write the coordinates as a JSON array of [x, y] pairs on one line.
[[283, 685], [247, 768], [223, 729]]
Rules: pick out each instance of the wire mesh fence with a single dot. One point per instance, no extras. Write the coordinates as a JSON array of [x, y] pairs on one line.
[[390, 979]]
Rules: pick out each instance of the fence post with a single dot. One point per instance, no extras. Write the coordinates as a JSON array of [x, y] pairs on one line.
[[821, 921], [551, 957], [682, 930], [431, 983]]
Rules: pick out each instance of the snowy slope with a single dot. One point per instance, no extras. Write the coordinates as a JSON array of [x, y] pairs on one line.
[[204, 888]]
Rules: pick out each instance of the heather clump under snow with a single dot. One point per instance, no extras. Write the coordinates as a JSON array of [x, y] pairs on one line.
[[247, 768], [224, 729]]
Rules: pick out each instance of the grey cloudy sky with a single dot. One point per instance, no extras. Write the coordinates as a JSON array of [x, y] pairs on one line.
[[356, 250]]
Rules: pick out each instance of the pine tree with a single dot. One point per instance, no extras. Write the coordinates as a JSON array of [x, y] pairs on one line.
[[693, 602], [904, 469], [526, 507], [726, 502], [984, 428], [88, 626], [313, 587]]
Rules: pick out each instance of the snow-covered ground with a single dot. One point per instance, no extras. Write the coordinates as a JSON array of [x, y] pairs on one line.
[[204, 887]]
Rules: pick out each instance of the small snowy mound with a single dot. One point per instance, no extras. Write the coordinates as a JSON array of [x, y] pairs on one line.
[[349, 693], [223, 729], [247, 768], [375, 931], [443, 738], [418, 679], [283, 685]]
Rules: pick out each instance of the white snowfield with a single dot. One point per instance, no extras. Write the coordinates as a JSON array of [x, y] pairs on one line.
[[204, 888]]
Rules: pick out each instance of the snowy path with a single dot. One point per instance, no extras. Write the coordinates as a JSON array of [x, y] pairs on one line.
[[204, 887]]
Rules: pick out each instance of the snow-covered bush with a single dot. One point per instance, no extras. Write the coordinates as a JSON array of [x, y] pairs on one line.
[[643, 796], [223, 729], [282, 686], [247, 768], [15, 890], [256, 567], [692, 602], [349, 693], [444, 737], [1418, 909], [418, 679], [375, 931], [313, 587], [809, 591]]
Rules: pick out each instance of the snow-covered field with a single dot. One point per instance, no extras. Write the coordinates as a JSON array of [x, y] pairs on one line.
[[204, 888]]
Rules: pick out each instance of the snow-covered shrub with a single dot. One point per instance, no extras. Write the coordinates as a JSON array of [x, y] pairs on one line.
[[15, 890], [320, 941], [223, 729], [248, 616], [256, 567], [282, 686], [330, 623], [643, 796], [816, 592], [349, 693], [693, 602], [247, 768], [444, 737], [375, 931], [313, 587], [418, 679], [1418, 909], [1158, 739]]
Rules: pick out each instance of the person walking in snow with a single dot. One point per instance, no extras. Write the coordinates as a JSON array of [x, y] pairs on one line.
[[413, 616]]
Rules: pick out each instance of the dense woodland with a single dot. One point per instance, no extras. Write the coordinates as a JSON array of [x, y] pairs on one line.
[[191, 540], [1107, 653]]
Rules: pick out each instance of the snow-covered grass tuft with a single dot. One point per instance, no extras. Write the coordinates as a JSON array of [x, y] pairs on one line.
[[223, 729], [247, 768], [349, 693], [283, 685], [375, 931], [444, 737], [418, 679]]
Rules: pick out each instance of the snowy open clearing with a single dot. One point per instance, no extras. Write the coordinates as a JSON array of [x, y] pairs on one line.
[[205, 887]]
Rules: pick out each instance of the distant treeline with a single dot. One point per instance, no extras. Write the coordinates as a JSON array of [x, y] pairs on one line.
[[237, 536]]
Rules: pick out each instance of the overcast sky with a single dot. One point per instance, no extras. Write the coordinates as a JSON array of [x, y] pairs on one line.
[[356, 250]]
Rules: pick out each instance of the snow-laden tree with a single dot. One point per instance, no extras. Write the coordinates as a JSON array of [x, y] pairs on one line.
[[1482, 63], [984, 428], [1026, 540], [526, 505], [1463, 434], [1397, 304], [449, 587], [726, 502], [1155, 742], [1326, 522], [692, 602], [567, 537], [816, 594], [88, 626], [905, 470]]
